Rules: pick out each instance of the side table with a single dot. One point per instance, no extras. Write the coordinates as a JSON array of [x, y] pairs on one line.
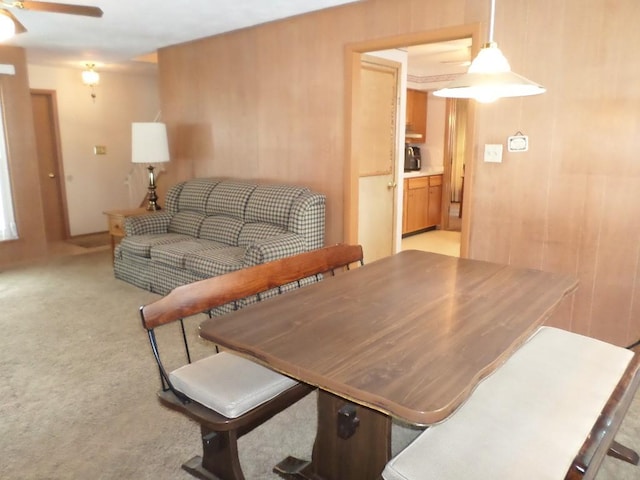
[[115, 219]]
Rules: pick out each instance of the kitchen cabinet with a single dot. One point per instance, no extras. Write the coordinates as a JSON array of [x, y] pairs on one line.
[[416, 118], [435, 200], [422, 203]]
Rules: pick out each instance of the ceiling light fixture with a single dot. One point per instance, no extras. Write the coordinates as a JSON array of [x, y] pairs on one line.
[[7, 27], [91, 78], [490, 77]]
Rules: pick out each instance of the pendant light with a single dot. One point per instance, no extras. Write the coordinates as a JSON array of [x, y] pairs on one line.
[[490, 77], [91, 78]]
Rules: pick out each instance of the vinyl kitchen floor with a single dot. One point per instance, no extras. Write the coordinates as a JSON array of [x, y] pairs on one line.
[[437, 241]]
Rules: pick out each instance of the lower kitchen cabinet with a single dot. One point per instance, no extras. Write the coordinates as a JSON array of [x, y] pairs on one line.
[[435, 200], [422, 203]]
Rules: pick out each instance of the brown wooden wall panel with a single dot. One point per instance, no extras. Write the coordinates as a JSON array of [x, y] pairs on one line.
[[269, 103], [23, 161]]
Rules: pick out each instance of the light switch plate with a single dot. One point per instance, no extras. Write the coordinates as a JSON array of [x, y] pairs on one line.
[[493, 153], [100, 150]]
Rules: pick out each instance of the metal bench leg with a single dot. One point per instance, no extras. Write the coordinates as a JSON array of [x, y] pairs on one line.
[[621, 452], [219, 459]]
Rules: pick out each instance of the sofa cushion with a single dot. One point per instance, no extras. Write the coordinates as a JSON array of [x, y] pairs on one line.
[[171, 200], [217, 261], [221, 228], [255, 232], [195, 193], [173, 254], [229, 198], [186, 223], [272, 203], [163, 278], [140, 245]]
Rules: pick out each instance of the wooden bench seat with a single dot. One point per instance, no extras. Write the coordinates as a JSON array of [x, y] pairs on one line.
[[550, 412]]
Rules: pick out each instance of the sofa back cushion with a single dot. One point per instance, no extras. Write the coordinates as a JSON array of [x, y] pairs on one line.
[[221, 228], [195, 193], [186, 223], [272, 204], [229, 198], [171, 200]]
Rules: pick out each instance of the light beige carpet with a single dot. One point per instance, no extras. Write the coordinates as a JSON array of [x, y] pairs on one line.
[[77, 391]]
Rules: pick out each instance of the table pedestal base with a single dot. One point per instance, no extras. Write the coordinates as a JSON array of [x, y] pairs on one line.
[[361, 456]]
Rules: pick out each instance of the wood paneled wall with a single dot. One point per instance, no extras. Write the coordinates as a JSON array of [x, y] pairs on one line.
[[267, 103], [23, 161]]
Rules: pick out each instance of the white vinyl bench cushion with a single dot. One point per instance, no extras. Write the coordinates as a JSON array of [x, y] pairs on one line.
[[528, 419], [229, 384]]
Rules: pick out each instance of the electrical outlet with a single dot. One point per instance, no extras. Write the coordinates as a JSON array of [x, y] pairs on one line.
[[493, 153]]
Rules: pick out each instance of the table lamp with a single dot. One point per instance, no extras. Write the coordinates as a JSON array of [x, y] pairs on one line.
[[149, 145]]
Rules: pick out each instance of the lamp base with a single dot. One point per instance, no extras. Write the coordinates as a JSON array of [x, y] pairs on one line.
[[152, 206]]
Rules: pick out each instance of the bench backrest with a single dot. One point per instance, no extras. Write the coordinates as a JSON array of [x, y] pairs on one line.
[[205, 295]]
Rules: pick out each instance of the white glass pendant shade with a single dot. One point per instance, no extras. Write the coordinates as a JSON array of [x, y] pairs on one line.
[[489, 60], [490, 77], [7, 27]]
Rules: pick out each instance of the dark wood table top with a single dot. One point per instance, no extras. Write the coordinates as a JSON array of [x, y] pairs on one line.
[[409, 335]]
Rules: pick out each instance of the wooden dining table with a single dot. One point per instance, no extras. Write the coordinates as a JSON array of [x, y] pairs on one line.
[[408, 336]]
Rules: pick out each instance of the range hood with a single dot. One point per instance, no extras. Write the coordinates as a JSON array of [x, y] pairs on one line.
[[412, 135]]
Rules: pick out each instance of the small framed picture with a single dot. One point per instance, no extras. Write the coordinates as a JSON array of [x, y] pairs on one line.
[[518, 143]]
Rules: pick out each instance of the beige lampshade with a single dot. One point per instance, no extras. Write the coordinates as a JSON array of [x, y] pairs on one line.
[[7, 27], [149, 143]]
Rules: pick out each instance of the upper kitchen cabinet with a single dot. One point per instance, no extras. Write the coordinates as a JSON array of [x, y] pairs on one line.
[[416, 116]]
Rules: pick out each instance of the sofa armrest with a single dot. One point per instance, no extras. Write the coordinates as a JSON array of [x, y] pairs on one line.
[[150, 223], [274, 248]]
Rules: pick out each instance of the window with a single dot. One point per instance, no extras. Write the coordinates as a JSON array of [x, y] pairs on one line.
[[8, 229]]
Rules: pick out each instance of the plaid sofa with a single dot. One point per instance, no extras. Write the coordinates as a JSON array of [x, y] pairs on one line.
[[213, 226]]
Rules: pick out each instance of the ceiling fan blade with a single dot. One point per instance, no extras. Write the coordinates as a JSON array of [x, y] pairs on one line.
[[60, 8], [20, 28]]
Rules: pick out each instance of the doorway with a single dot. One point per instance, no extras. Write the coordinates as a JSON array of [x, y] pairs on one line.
[[50, 172], [353, 53]]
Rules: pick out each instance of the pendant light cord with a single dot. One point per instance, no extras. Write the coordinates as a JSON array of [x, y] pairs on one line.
[[493, 13]]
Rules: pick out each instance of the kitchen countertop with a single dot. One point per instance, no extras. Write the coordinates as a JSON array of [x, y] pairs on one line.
[[426, 171]]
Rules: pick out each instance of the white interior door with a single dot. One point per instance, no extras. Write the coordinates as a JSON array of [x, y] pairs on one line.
[[376, 145]]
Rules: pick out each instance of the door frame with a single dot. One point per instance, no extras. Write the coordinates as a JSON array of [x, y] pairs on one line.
[[59, 163], [351, 106]]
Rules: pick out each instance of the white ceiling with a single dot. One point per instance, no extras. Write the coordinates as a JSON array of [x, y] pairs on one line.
[[440, 58], [133, 28]]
